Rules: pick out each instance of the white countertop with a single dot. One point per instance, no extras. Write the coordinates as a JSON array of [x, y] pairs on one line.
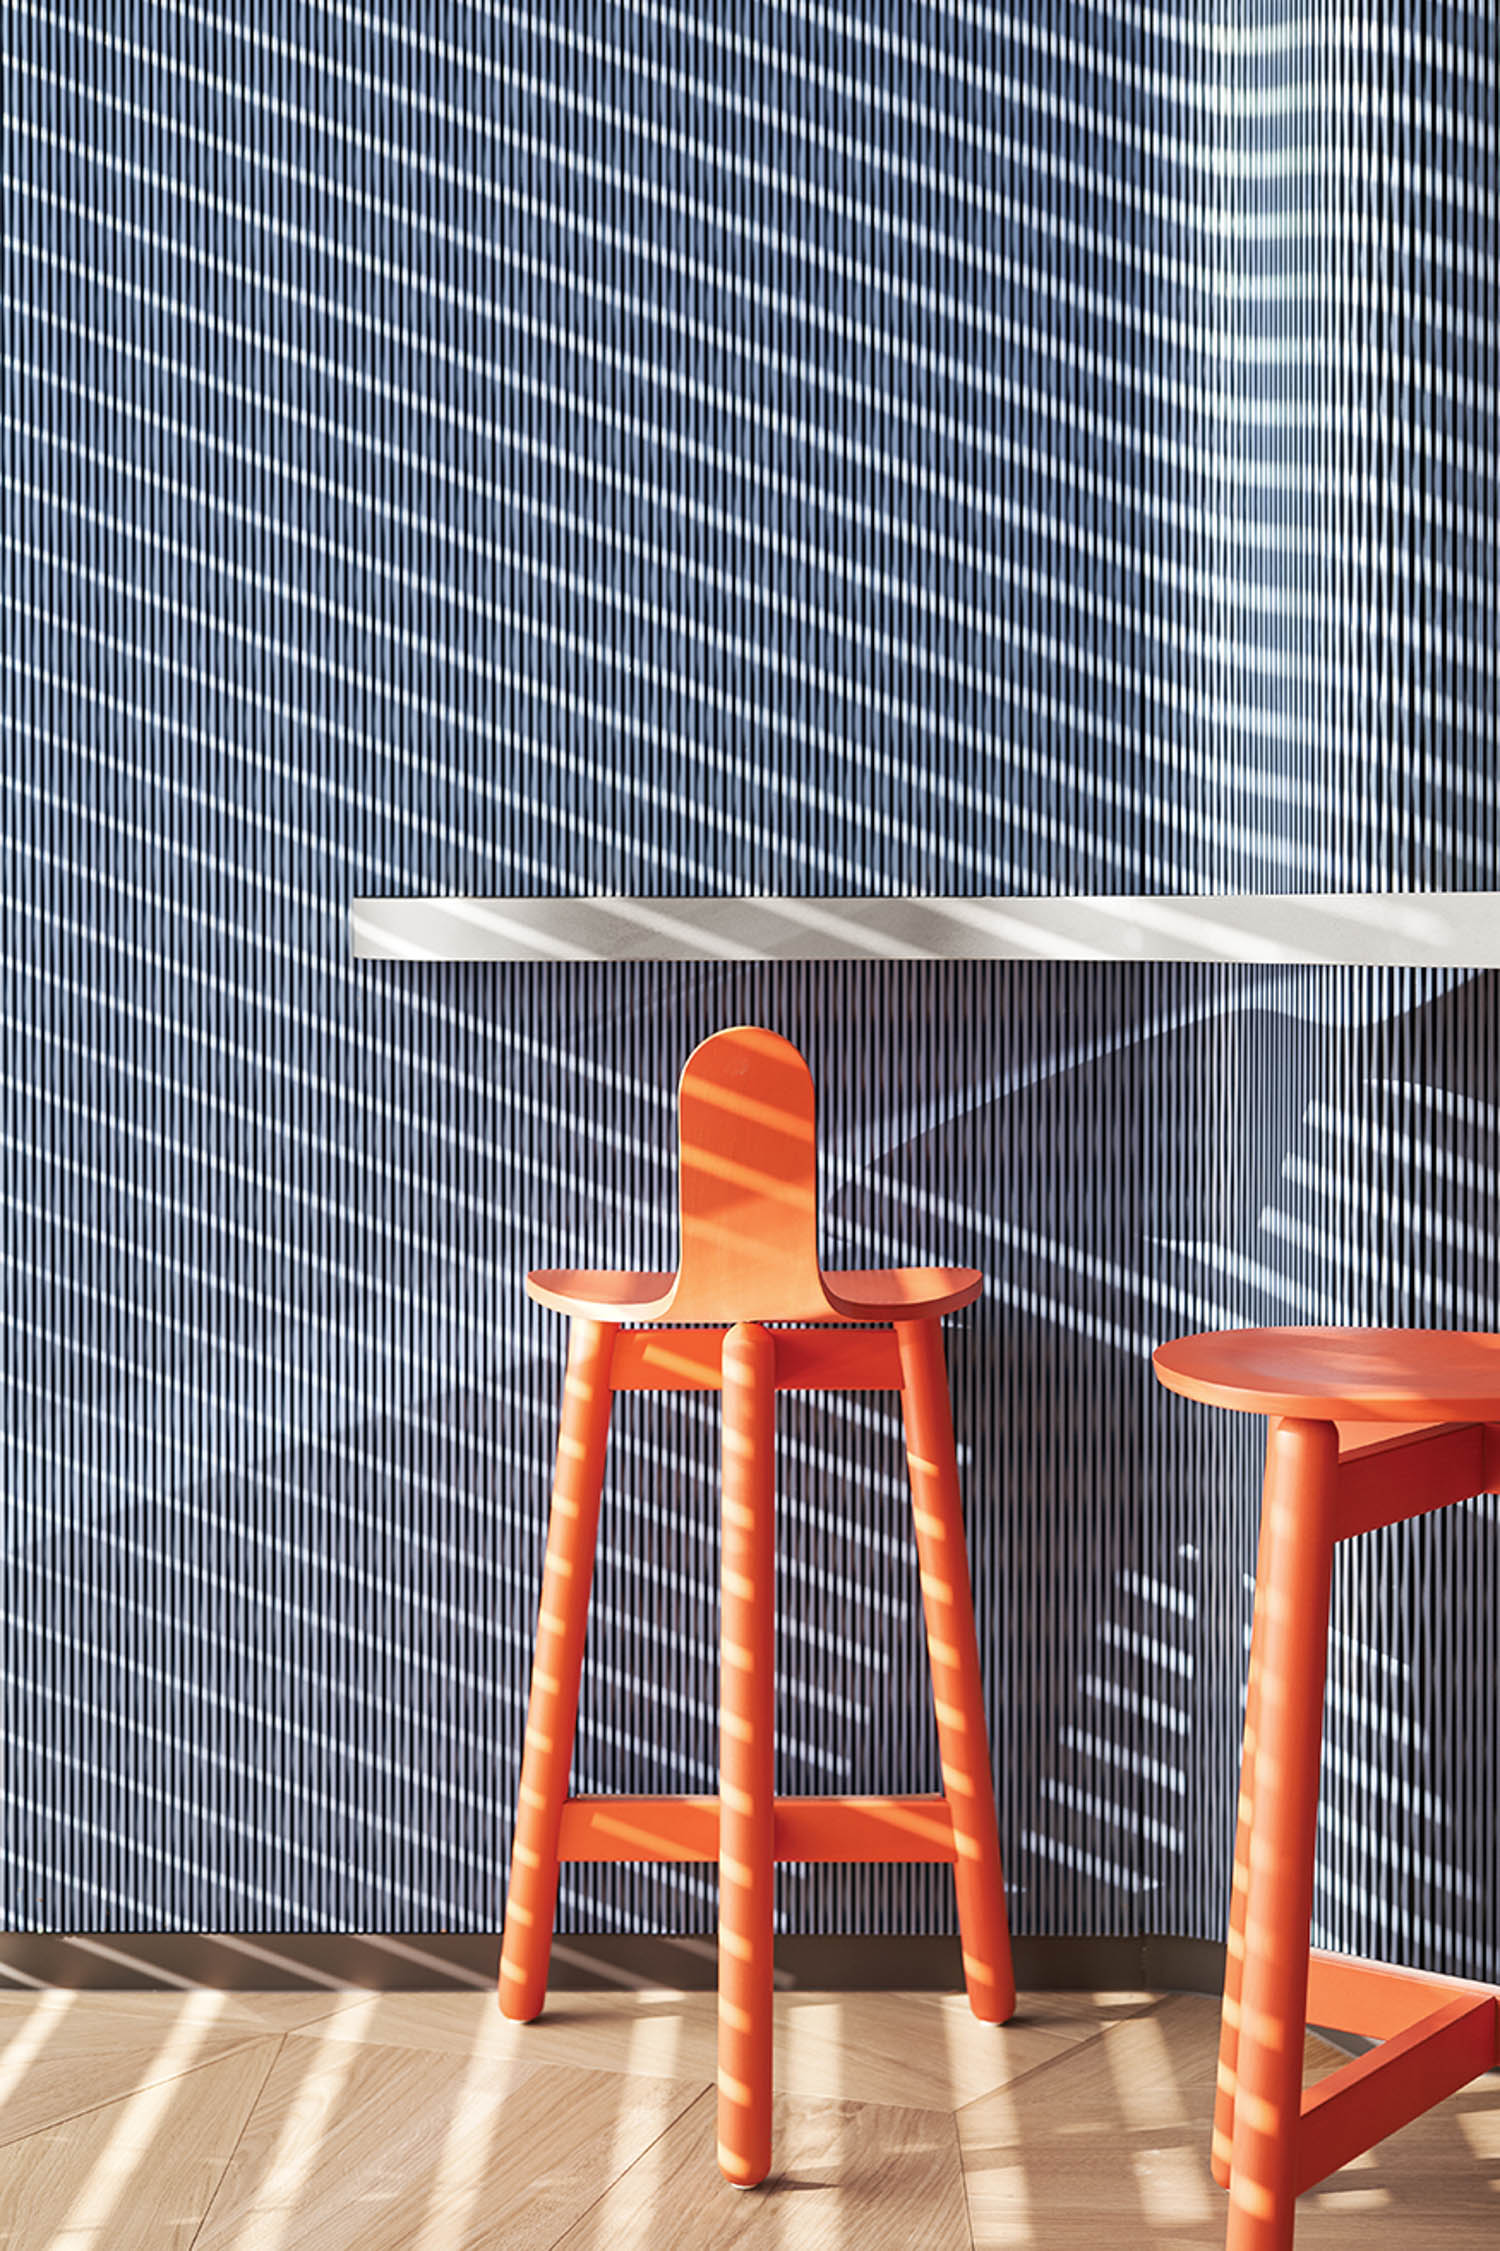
[[1431, 929]]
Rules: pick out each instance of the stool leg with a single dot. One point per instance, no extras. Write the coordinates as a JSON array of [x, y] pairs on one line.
[[747, 1716], [953, 1651], [1293, 1582], [557, 1662], [1239, 1885]]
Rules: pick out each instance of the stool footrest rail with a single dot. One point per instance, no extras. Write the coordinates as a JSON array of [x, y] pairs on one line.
[[1432, 2035], [1390, 2085], [807, 1829]]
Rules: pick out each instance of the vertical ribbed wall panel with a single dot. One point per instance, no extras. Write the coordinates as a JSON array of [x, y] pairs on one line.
[[282, 1423], [822, 453], [1366, 488], [974, 454]]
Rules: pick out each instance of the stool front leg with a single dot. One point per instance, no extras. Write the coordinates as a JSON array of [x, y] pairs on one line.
[[557, 1662], [1239, 1887], [747, 1718], [1292, 1588], [957, 1690]]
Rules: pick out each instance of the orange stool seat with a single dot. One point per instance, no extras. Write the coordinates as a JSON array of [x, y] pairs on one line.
[[1367, 1427], [893, 1293], [748, 1265]]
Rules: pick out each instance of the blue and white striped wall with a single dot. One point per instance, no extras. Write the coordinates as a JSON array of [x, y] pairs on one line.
[[949, 453]]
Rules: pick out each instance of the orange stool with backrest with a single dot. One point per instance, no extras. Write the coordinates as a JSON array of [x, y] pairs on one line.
[[1367, 1427], [749, 1258]]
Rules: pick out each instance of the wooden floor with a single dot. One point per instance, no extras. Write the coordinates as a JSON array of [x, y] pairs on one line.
[[423, 2122]]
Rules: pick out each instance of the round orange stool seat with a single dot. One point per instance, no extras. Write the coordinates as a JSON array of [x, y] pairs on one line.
[[1415, 1376]]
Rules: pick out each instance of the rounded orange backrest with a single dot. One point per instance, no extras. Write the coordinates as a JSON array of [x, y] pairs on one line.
[[747, 1183]]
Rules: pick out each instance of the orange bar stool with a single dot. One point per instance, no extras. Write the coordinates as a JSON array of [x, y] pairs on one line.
[[1367, 1427], [749, 1258]]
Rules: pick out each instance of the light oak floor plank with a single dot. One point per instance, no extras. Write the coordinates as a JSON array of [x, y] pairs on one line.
[[848, 2177], [293, 2012], [264, 2012], [360, 2148], [132, 2175], [913, 2050], [67, 2052]]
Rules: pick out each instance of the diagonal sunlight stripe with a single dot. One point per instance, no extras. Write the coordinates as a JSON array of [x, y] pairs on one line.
[[105, 2187], [715, 703], [25, 2045], [684, 205], [901, 705], [307, 2125], [456, 2181]]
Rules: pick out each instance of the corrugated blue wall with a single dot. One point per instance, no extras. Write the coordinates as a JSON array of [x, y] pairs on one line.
[[486, 453]]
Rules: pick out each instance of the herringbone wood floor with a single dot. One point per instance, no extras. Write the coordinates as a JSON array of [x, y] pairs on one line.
[[355, 2121]]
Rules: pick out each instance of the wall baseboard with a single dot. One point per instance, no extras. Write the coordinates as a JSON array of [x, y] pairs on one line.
[[291, 1962]]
